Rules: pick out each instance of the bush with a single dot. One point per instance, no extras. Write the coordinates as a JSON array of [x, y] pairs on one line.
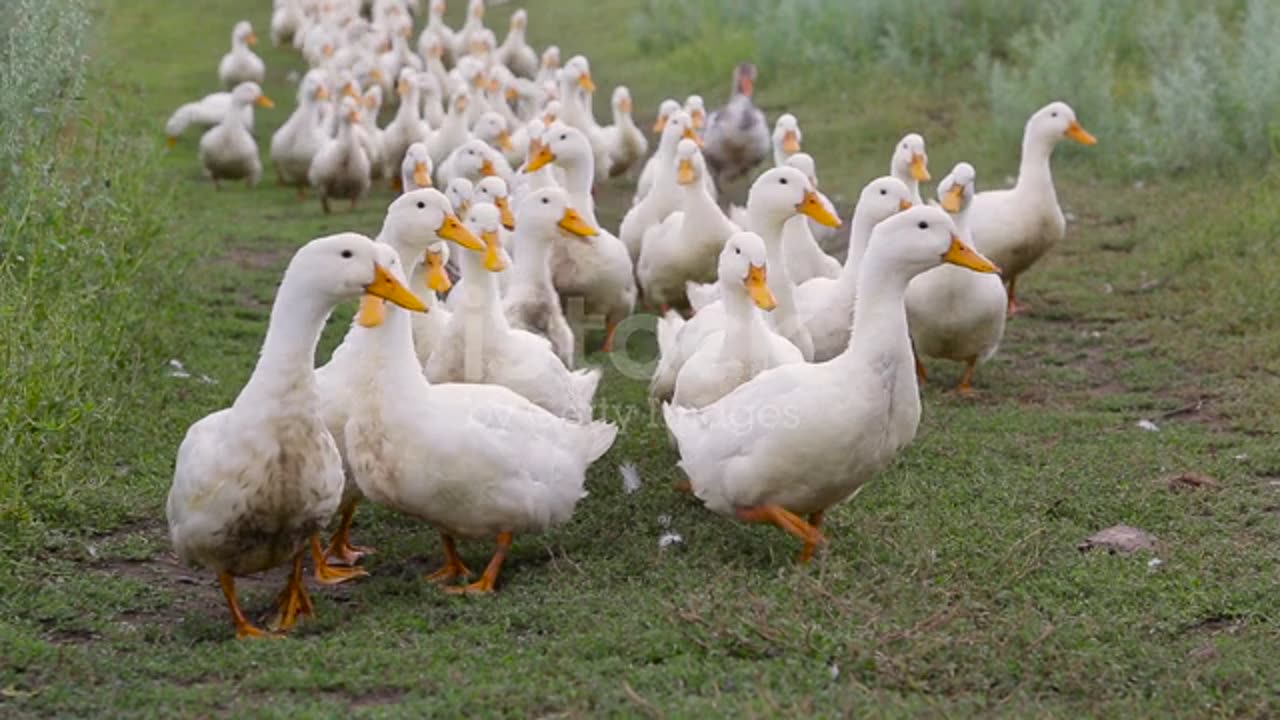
[[81, 221]]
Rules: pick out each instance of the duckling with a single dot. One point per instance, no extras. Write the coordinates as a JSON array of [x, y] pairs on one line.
[[227, 150], [515, 53], [793, 442], [253, 483], [241, 65], [952, 313], [910, 164], [746, 346], [1019, 225], [786, 139], [737, 137], [301, 137], [480, 346], [341, 168], [532, 303]]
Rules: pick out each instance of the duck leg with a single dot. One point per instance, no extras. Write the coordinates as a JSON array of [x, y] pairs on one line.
[[489, 579], [1015, 307], [921, 374], [327, 574], [397, 185], [453, 567], [302, 192], [341, 551], [784, 519], [244, 628], [324, 202], [806, 554], [965, 388], [611, 327], [294, 602]]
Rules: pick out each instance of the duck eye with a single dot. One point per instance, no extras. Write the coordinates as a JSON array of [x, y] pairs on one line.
[[782, 180], [737, 251], [923, 225], [1054, 113], [347, 253], [883, 191], [904, 146], [564, 137], [546, 201]]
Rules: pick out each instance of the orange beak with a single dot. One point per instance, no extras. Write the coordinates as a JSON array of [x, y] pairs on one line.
[[689, 134], [685, 173], [814, 207], [790, 142], [543, 157], [758, 288], [585, 82], [961, 254], [504, 209], [919, 168], [1080, 135], [486, 169]]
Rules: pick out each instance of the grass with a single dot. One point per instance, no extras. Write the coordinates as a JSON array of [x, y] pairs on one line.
[[952, 584]]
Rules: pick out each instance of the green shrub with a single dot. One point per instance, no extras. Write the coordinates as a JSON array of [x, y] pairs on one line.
[[81, 266]]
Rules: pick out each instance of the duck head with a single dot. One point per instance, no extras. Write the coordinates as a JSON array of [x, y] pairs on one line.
[[743, 269]]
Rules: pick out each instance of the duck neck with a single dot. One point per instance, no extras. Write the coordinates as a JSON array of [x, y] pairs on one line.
[[879, 317], [480, 295], [1034, 175], [534, 264], [410, 110], [286, 365], [770, 227], [740, 317], [235, 111], [388, 359], [579, 174], [913, 186], [859, 235]]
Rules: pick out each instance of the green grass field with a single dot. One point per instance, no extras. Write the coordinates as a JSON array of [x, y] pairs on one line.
[[951, 585]]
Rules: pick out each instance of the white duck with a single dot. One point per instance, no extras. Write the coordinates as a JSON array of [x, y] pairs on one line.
[[845, 420], [826, 304], [786, 139], [255, 481], [775, 197], [241, 65], [683, 248], [437, 30], [598, 270], [910, 164], [480, 346], [301, 137], [370, 107], [471, 27], [453, 132], [737, 137], [341, 168], [413, 220], [475, 461], [805, 258], [1018, 226], [531, 302], [666, 109], [205, 113], [622, 143], [415, 169], [227, 150], [664, 197], [954, 314], [747, 346], [407, 127], [286, 21], [474, 159], [549, 65], [697, 110], [514, 52]]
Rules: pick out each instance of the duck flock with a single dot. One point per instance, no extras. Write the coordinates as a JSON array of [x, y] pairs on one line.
[[786, 378]]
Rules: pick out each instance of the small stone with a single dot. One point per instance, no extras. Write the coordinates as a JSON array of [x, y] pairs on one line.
[[1148, 426], [1121, 539]]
